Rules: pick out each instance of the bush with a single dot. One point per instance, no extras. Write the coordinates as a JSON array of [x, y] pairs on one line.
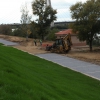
[[51, 34], [18, 32], [5, 29]]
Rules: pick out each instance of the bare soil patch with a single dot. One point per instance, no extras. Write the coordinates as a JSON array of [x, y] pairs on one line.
[[81, 53], [86, 55], [27, 46]]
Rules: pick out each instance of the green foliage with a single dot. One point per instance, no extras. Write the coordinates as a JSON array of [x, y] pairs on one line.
[[96, 40], [87, 22], [34, 29], [18, 32], [5, 29], [45, 14], [51, 35], [27, 77]]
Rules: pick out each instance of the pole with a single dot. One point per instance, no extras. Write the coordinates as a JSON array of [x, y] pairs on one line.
[[48, 3]]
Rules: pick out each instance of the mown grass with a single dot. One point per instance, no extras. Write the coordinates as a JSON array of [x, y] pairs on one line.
[[27, 77]]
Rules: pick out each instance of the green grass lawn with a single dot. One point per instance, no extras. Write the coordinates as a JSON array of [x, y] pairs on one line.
[[27, 77]]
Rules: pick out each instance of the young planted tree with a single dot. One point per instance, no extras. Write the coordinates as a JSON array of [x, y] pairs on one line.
[[45, 15], [25, 21], [87, 20]]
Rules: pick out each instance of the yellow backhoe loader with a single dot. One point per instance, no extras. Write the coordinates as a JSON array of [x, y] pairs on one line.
[[61, 45]]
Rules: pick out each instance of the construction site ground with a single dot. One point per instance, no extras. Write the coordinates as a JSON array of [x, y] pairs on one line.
[[79, 52]]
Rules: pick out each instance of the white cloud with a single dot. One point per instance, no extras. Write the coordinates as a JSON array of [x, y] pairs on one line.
[[74, 1], [10, 9], [63, 8]]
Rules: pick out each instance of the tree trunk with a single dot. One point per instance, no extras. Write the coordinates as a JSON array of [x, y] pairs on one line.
[[90, 38], [90, 45], [42, 37]]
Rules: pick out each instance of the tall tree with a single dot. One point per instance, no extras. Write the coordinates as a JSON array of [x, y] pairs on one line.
[[87, 20], [45, 15], [25, 20]]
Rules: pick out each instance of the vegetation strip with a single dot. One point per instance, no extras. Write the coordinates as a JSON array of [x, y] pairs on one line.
[[27, 77]]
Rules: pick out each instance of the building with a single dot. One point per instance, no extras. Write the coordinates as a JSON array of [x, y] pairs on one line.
[[75, 40], [63, 23]]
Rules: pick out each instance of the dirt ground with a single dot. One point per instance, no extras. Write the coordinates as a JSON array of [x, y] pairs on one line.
[[81, 53]]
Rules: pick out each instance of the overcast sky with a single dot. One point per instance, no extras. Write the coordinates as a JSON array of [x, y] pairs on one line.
[[10, 9]]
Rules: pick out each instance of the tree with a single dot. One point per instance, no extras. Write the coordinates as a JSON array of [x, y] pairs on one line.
[[45, 15], [5, 29], [25, 21], [87, 20], [51, 35]]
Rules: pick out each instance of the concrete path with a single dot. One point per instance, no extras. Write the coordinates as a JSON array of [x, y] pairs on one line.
[[86, 68], [8, 43]]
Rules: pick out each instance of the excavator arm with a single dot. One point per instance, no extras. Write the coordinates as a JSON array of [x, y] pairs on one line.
[[67, 43]]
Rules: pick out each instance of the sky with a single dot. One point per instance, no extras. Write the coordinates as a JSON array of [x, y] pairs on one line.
[[10, 10]]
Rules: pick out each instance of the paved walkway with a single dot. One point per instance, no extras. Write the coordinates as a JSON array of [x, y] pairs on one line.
[[8, 43], [86, 68]]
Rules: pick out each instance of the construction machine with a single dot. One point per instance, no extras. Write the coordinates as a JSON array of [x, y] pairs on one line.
[[61, 45]]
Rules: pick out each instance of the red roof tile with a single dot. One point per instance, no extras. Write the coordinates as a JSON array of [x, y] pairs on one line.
[[65, 32]]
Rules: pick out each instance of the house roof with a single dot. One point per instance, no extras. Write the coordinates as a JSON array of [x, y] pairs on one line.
[[65, 32]]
